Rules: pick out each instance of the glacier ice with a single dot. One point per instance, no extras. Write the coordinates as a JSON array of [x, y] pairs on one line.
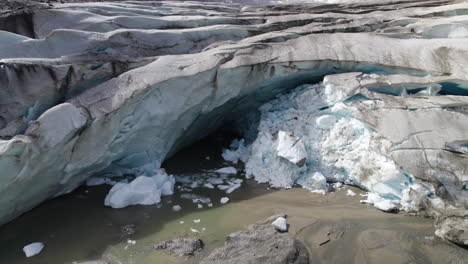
[[142, 190], [335, 145], [123, 111]]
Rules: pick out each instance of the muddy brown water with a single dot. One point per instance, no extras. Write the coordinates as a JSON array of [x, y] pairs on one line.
[[336, 228]]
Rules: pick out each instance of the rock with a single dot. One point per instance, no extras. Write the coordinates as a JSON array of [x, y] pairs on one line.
[[261, 243], [280, 224], [453, 226], [33, 249], [181, 247]]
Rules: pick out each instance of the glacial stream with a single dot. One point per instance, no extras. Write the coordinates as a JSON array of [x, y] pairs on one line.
[[78, 228]]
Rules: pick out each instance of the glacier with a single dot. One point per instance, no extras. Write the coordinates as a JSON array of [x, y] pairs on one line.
[[112, 89]]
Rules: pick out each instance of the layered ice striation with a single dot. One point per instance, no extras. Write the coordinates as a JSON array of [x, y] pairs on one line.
[[110, 89]]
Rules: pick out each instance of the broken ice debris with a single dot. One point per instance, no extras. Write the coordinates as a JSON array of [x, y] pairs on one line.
[[194, 230], [350, 193], [381, 203], [176, 208], [196, 220], [224, 200], [280, 224], [196, 198], [227, 170], [237, 152], [314, 183], [33, 249], [291, 148]]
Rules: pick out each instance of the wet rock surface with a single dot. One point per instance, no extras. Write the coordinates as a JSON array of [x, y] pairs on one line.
[[181, 247], [261, 243], [453, 226]]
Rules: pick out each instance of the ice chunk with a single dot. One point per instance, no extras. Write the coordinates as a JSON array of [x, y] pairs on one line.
[[315, 182], [176, 208], [238, 181], [200, 206], [280, 224], [291, 148], [337, 185], [233, 188], [227, 170], [223, 187], [325, 121], [380, 203], [181, 222], [350, 193], [33, 249], [386, 205], [131, 242], [224, 200], [196, 198], [237, 152], [194, 230], [196, 221], [215, 181], [142, 190], [208, 185]]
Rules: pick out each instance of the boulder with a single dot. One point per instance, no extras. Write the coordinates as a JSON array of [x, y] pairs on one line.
[[261, 243]]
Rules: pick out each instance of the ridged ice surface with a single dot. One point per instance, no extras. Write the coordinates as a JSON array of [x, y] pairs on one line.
[[115, 87]]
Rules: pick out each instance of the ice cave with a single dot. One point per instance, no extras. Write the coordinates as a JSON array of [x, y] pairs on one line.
[[259, 131]]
